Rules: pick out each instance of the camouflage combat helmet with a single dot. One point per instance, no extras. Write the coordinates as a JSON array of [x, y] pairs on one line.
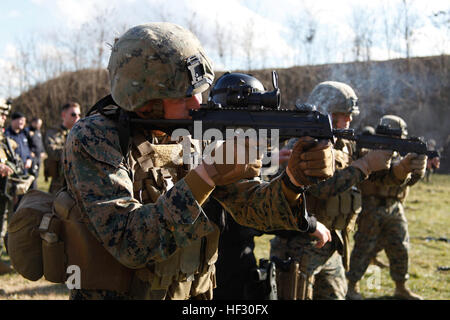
[[394, 122], [5, 106], [157, 60], [332, 96]]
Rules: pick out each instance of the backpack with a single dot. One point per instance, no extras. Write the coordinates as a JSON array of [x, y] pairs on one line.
[[33, 243]]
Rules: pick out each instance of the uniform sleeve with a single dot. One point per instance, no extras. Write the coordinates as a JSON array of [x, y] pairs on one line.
[[341, 181], [387, 178], [259, 205], [133, 233]]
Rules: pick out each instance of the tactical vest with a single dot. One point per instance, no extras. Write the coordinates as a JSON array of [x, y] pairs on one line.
[[373, 190], [189, 272], [338, 212]]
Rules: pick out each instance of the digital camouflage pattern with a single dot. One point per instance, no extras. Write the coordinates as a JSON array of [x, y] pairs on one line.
[[136, 234], [54, 145], [332, 96], [149, 62], [382, 225]]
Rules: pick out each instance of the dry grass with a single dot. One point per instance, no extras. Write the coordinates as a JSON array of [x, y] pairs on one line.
[[14, 287]]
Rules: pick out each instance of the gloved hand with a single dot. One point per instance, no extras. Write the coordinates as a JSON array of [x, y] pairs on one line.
[[223, 173], [412, 162], [322, 234], [374, 160], [310, 158]]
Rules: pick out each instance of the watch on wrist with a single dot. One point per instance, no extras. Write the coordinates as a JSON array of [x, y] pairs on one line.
[[288, 183]]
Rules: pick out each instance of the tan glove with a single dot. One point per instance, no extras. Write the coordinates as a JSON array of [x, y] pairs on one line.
[[374, 160], [223, 173], [23, 184], [412, 162], [312, 159]]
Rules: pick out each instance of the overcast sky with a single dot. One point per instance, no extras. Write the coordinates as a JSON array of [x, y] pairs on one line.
[[269, 19]]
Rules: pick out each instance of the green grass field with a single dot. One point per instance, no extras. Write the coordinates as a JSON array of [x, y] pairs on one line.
[[428, 213]]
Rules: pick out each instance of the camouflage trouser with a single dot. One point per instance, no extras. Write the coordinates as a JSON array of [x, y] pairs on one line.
[[382, 227], [324, 265]]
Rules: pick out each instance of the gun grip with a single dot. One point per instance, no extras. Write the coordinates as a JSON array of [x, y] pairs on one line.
[[309, 146]]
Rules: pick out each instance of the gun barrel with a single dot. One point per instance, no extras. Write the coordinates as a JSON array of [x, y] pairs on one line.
[[401, 145]]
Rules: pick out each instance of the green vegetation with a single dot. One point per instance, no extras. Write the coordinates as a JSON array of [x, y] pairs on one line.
[[428, 212]]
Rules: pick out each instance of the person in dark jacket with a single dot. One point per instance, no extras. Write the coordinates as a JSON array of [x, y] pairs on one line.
[[36, 144], [16, 132]]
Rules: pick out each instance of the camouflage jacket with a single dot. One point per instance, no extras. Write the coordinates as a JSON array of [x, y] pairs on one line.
[[101, 181]]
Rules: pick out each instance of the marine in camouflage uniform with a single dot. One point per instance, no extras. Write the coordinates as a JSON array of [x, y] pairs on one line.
[[6, 169], [143, 208], [382, 223], [335, 202], [54, 145]]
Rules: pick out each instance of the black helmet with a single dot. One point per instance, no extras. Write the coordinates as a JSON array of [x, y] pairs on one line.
[[242, 90]]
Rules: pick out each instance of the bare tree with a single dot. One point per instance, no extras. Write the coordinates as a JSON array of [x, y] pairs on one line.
[[408, 23], [161, 11], [441, 20], [98, 35], [223, 40], [194, 24], [388, 27], [362, 24], [303, 29], [22, 64], [248, 43]]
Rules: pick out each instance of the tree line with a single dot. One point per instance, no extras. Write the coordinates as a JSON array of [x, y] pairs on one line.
[[391, 27]]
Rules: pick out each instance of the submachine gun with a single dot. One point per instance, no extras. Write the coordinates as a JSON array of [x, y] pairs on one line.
[[261, 110]]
